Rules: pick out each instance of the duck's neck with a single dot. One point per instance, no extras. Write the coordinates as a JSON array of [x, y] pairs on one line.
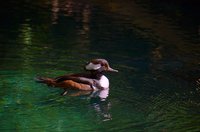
[[96, 75]]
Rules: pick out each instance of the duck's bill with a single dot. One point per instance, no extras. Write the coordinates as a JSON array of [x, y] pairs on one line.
[[112, 70]]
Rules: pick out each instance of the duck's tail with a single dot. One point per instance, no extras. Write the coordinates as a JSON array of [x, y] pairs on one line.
[[48, 81]]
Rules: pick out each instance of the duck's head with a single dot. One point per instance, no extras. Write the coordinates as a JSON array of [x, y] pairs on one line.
[[99, 65]]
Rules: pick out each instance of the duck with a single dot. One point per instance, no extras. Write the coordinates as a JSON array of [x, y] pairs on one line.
[[93, 79]]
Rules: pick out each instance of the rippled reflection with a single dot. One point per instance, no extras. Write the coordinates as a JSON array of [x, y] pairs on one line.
[[55, 10], [98, 101], [100, 104], [26, 33], [26, 42], [81, 14]]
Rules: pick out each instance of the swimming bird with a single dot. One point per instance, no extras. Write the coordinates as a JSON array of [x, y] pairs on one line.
[[90, 81]]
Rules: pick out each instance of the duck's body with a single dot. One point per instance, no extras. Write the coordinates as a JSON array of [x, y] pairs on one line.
[[66, 84], [77, 82], [93, 80]]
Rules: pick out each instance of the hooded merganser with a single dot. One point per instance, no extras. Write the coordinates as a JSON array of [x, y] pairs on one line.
[[93, 80]]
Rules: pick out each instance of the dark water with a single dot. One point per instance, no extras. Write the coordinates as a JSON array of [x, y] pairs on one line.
[[154, 45]]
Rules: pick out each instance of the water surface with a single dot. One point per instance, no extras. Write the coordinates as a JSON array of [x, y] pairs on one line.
[[154, 45]]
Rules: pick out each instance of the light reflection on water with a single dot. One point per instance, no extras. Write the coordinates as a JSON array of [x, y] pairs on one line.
[[155, 50]]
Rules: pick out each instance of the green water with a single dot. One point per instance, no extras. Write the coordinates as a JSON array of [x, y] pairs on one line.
[[154, 45]]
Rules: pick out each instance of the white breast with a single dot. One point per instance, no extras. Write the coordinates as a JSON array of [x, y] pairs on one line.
[[104, 82]]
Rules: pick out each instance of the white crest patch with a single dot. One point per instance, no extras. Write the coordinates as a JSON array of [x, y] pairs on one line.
[[92, 66]]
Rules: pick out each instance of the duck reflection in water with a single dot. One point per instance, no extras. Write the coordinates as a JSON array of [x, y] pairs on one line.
[[101, 104], [98, 101]]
